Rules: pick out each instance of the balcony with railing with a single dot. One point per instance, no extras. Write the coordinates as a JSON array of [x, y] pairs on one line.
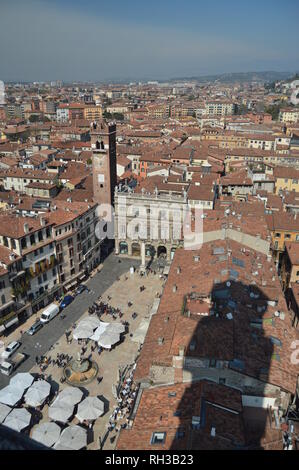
[[42, 266]]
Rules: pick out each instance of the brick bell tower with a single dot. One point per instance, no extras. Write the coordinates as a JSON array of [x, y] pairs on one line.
[[103, 146]]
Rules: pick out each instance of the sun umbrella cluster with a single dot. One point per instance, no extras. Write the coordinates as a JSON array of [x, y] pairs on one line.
[[90, 409], [37, 393], [47, 434], [72, 438], [60, 411], [86, 328], [11, 395], [4, 411], [108, 334], [22, 380], [18, 419]]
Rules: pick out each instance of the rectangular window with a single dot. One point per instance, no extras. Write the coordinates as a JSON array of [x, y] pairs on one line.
[[195, 424], [158, 438]]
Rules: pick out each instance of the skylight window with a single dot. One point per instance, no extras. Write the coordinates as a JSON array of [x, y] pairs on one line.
[[238, 262], [233, 274], [158, 438]]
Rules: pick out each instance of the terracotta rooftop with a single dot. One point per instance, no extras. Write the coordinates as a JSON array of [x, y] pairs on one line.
[[293, 252], [14, 227]]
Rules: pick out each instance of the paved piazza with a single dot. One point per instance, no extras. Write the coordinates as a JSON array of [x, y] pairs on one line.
[[113, 281]]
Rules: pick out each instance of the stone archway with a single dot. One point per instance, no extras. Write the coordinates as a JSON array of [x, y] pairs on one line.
[[136, 251], [150, 251], [123, 248], [162, 251]]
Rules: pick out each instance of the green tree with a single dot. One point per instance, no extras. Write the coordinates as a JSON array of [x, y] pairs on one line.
[[118, 116], [107, 115], [34, 118], [273, 110]]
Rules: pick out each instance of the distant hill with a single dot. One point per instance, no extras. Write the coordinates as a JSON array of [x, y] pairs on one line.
[[240, 77]]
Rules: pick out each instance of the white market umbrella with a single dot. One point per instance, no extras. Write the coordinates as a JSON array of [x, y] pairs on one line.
[[47, 434], [90, 409], [10, 395], [22, 380], [4, 411], [60, 411], [91, 322], [99, 331], [115, 328], [82, 332], [72, 438], [18, 419], [37, 393], [70, 395], [106, 340], [59, 446]]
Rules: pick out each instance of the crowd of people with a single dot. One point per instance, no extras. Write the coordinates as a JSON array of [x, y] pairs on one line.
[[126, 397], [102, 308], [44, 361]]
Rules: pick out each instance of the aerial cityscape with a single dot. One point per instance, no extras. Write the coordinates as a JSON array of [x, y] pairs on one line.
[[149, 227]]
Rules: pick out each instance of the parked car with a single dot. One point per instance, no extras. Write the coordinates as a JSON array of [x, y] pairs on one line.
[[80, 289], [34, 328], [10, 349], [66, 301]]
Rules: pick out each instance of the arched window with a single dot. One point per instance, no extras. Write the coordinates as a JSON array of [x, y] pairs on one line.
[[123, 248]]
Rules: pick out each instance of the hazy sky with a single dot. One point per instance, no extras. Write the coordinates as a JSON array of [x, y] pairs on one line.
[[102, 40]]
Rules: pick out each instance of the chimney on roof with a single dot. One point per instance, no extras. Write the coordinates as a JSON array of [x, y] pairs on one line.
[[174, 288], [43, 221], [26, 228]]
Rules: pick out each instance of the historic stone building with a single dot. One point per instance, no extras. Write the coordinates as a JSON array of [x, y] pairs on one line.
[[148, 225]]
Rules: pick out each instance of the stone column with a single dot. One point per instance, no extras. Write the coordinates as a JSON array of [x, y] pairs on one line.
[[142, 267]]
